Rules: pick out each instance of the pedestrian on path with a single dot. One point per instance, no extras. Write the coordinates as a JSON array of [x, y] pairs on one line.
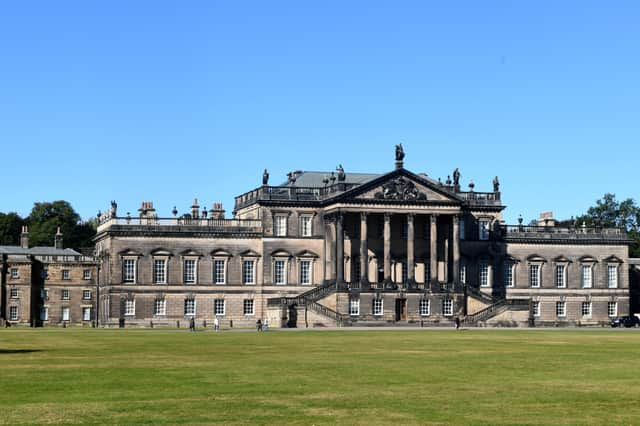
[[457, 323], [192, 324], [259, 325], [216, 325], [265, 326]]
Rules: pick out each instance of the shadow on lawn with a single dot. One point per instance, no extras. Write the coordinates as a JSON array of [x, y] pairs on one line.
[[18, 351]]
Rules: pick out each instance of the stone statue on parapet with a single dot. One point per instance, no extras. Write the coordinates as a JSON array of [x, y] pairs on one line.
[[341, 174], [114, 209], [496, 184], [456, 177], [399, 152], [265, 177]]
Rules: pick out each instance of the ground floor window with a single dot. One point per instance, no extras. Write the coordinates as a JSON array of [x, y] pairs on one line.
[[218, 307], [248, 307], [378, 308], [130, 307], [425, 308], [447, 307], [44, 313], [535, 308], [354, 307], [190, 307], [586, 309], [13, 313], [160, 307], [561, 309], [612, 309], [86, 314], [66, 314]]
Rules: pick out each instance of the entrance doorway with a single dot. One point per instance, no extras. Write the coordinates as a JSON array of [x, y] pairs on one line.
[[401, 309]]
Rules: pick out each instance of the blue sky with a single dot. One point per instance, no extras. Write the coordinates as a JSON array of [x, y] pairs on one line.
[[167, 101]]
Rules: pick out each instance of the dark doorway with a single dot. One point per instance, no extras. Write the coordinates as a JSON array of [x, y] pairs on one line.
[[293, 317], [380, 275], [401, 309]]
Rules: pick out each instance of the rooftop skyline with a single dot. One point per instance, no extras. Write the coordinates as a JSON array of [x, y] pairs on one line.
[[154, 101]]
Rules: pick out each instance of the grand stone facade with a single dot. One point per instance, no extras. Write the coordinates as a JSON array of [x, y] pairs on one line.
[[358, 249]]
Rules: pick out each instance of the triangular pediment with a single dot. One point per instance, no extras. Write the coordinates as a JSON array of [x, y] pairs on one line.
[[402, 186]]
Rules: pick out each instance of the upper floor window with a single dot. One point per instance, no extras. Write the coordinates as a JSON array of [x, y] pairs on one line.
[[484, 275], [15, 273], [159, 271], [86, 295], [66, 295], [86, 274], [405, 271], [357, 273], [279, 272], [189, 271], [129, 271], [13, 293], [534, 276], [463, 273], [305, 226], [405, 230], [508, 275], [305, 272], [220, 271], [612, 276], [248, 276], [66, 275], [427, 272], [587, 276], [561, 276], [462, 229], [280, 226], [483, 229]]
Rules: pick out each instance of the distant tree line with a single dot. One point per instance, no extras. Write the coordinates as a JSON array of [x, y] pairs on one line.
[[43, 221]]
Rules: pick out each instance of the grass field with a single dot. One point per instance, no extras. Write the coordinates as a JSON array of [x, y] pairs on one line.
[[345, 377]]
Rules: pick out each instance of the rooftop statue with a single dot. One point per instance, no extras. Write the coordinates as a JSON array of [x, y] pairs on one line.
[[456, 177], [496, 184], [399, 152], [341, 174], [265, 177]]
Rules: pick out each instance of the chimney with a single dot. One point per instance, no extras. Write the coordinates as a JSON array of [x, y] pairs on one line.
[[217, 211], [58, 240], [195, 209], [24, 237]]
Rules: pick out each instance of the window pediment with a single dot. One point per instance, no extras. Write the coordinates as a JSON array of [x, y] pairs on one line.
[[129, 253], [562, 259], [190, 253], [536, 258], [511, 259], [307, 254], [221, 253], [280, 253], [161, 252], [588, 259], [250, 253], [613, 259]]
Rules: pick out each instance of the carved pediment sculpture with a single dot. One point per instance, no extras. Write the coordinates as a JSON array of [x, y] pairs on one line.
[[400, 189]]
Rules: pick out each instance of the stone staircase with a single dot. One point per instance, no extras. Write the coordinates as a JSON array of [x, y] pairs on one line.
[[310, 300], [495, 309]]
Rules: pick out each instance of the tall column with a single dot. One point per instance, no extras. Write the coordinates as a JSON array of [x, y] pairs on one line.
[[387, 248], [340, 250], [455, 240], [411, 266], [434, 247], [330, 249], [364, 250]]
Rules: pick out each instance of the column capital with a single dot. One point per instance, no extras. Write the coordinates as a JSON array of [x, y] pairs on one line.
[[363, 216], [434, 217], [456, 219], [411, 216], [387, 216]]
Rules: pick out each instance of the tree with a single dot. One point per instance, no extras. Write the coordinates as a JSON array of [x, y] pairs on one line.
[[46, 217], [10, 229], [610, 213]]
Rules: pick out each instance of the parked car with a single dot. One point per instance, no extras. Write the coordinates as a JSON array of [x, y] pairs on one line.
[[627, 322]]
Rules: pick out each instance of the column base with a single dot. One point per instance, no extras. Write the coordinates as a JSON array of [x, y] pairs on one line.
[[389, 285], [365, 284], [411, 284]]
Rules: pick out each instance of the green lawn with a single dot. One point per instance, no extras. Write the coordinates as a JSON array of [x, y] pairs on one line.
[[350, 377]]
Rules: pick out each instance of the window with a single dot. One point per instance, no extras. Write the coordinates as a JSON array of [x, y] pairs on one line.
[[612, 276], [66, 295], [13, 293], [462, 229], [13, 313], [463, 274], [247, 272], [45, 294], [587, 276], [357, 273], [15, 273], [45, 273], [484, 275], [561, 281], [534, 276], [305, 272], [280, 226], [248, 307], [129, 307], [65, 274], [425, 308], [427, 272], [160, 307], [586, 309], [159, 271], [378, 308], [354, 307], [612, 309], [405, 231], [508, 275], [535, 308], [66, 314], [86, 274], [44, 313], [405, 271], [483, 229], [190, 307], [218, 307], [86, 314], [219, 267], [447, 307], [129, 271], [279, 276], [561, 309], [305, 226], [86, 295], [189, 271]]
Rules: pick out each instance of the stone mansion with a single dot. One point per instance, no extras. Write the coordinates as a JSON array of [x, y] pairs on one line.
[[339, 248]]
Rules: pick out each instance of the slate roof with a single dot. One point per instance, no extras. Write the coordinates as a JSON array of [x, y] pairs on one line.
[[309, 179], [38, 251]]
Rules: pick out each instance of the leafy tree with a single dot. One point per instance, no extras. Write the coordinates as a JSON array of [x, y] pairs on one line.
[[10, 228], [46, 217]]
